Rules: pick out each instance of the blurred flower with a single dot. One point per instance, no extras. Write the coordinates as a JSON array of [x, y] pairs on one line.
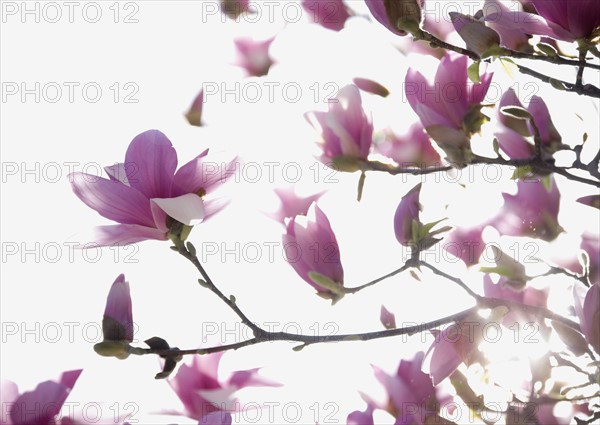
[[588, 312], [466, 243], [254, 56], [371, 86], [476, 35], [347, 133], [565, 20], [40, 406], [194, 115], [412, 397], [387, 318], [407, 217], [313, 252], [234, 8], [590, 243], [117, 323], [145, 194], [330, 14], [292, 204], [450, 108], [399, 16], [410, 149], [532, 212], [202, 393]]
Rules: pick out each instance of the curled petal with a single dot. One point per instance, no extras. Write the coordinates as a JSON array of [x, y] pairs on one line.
[[187, 209]]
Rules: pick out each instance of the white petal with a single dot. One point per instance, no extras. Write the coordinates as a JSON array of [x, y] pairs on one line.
[[187, 209]]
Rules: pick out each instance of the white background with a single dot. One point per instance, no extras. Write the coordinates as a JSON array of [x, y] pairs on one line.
[[172, 50]]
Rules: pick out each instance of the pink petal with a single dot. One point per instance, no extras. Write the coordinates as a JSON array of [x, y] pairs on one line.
[[187, 209], [250, 378], [216, 418], [118, 318], [199, 174], [331, 14], [444, 360], [112, 199], [150, 163], [124, 234]]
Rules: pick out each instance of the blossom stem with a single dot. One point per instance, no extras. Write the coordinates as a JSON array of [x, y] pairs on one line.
[[456, 280], [379, 279]]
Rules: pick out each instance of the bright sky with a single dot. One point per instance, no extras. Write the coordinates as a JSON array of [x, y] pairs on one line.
[[53, 296]]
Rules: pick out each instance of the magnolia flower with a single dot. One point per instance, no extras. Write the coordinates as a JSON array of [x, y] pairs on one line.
[[532, 212], [449, 108], [399, 16], [331, 14], [565, 20], [145, 194], [346, 131], [312, 250], [587, 307], [117, 323], [202, 393], [234, 8], [412, 397], [508, 267], [254, 56], [412, 148], [194, 115], [406, 214], [511, 137], [292, 204], [40, 406]]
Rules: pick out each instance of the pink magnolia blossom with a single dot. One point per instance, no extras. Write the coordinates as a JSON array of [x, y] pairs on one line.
[[234, 8], [194, 115], [449, 107], [39, 406], [145, 194], [202, 393], [478, 37], [407, 212], [565, 20], [347, 133], [292, 204], [254, 56], [532, 212], [330, 14], [448, 100], [391, 13], [313, 252], [590, 243], [465, 243], [412, 397], [412, 148], [117, 324], [587, 307]]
